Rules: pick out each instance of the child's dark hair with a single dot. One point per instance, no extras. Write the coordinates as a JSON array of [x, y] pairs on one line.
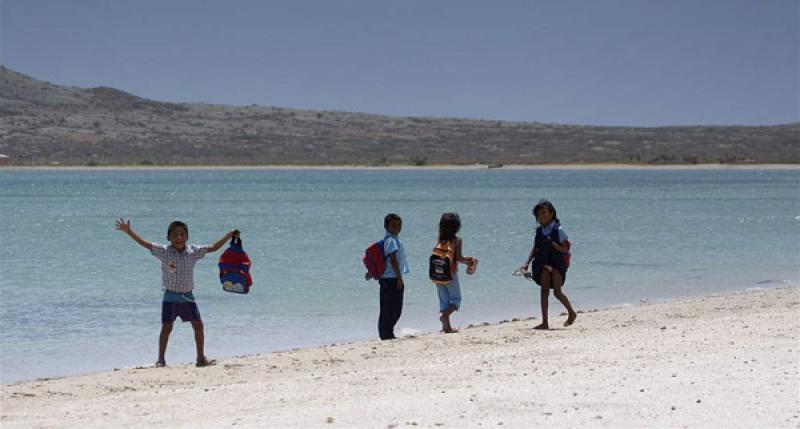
[[449, 225], [544, 203], [177, 224], [390, 217]]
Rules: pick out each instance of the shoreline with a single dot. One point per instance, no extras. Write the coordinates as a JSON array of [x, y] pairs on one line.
[[723, 360], [409, 167], [468, 325]]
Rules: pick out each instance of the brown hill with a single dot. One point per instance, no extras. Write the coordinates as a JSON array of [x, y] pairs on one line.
[[46, 124]]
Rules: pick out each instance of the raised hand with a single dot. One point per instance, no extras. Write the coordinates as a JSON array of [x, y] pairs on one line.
[[123, 225], [221, 242]]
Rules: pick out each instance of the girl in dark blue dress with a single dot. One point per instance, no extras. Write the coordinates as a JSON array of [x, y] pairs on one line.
[[550, 257]]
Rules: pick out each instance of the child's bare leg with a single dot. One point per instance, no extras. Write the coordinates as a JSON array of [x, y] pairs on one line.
[[557, 288], [199, 341], [199, 338], [163, 339], [444, 321], [446, 327], [544, 297]]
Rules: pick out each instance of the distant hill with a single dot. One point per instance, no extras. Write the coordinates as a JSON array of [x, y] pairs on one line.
[[46, 124]]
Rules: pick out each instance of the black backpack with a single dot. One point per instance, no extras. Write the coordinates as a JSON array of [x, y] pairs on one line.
[[440, 264]]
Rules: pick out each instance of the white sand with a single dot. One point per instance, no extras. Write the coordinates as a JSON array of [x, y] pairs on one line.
[[718, 362]]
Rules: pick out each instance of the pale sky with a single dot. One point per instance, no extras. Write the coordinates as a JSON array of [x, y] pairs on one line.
[[600, 62]]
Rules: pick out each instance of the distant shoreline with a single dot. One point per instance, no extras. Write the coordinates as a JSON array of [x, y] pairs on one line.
[[54, 125], [412, 167]]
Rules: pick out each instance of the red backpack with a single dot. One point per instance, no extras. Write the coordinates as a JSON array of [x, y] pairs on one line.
[[234, 268], [375, 260]]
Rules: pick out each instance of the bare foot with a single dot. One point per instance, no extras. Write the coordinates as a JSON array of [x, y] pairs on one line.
[[541, 326], [571, 318], [160, 363], [204, 361]]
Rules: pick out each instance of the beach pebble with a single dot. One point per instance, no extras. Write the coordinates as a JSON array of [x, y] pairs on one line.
[[329, 420]]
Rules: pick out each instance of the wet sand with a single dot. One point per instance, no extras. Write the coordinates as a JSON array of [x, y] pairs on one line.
[[719, 361]]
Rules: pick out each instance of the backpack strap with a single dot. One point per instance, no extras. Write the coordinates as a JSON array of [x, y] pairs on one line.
[[455, 256], [452, 247]]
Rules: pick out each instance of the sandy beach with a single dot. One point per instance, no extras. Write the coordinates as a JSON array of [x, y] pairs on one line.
[[719, 361]]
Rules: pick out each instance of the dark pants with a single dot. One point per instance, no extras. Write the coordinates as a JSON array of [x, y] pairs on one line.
[[391, 308]]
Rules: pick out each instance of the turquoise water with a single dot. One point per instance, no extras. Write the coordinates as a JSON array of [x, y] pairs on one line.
[[79, 296]]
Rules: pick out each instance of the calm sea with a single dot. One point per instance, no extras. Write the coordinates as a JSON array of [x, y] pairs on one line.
[[78, 296]]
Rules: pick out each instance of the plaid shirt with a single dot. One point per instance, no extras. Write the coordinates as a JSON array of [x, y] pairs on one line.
[[177, 269]]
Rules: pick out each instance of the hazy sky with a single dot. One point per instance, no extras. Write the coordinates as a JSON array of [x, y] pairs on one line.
[[611, 62]]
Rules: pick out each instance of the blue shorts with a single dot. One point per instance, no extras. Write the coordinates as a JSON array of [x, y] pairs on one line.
[[187, 311], [449, 294]]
